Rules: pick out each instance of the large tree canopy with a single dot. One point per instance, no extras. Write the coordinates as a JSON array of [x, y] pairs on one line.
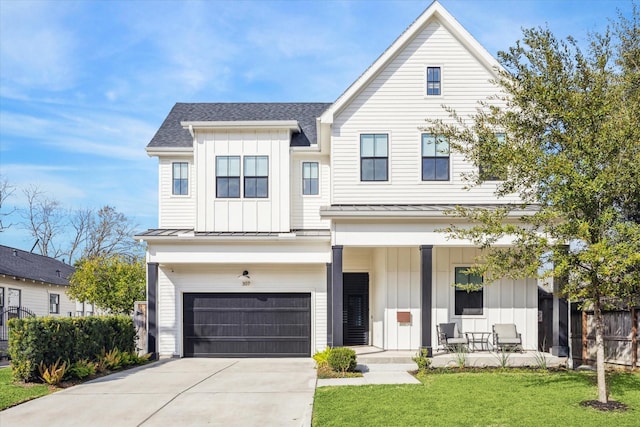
[[112, 283], [565, 136]]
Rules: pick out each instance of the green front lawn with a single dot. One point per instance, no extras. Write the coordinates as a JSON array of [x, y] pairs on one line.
[[496, 398], [11, 394]]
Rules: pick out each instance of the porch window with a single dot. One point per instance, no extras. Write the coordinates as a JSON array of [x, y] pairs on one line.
[[469, 294], [256, 176], [54, 303], [374, 157], [228, 176], [435, 158], [180, 179]]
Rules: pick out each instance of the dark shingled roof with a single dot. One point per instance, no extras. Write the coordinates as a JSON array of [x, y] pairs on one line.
[[171, 134], [25, 265]]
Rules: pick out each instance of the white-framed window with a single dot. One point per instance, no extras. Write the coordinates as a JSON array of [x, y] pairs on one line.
[[256, 176], [434, 81], [469, 293], [228, 176], [374, 157], [435, 158], [310, 178], [54, 303], [13, 297], [180, 178]]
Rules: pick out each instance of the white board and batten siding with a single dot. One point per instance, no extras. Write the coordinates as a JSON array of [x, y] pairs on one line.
[[395, 102], [174, 281], [269, 214], [175, 211], [305, 209]]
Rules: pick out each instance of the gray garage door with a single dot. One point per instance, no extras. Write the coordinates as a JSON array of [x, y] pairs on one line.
[[247, 325]]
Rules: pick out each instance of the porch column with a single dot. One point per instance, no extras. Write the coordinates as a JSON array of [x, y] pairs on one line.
[[329, 305], [336, 297], [152, 314], [426, 286], [560, 315]]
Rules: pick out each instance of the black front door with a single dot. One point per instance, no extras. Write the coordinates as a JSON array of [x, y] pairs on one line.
[[355, 314]]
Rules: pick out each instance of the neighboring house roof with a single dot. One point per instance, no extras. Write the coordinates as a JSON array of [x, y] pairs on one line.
[[19, 264], [434, 11], [172, 134]]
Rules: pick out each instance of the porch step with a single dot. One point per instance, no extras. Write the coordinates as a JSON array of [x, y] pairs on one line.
[[384, 359]]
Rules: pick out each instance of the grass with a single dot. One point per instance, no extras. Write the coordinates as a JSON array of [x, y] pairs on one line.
[[496, 398], [11, 394]]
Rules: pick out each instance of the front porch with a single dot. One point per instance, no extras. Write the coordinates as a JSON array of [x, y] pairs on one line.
[[369, 355]]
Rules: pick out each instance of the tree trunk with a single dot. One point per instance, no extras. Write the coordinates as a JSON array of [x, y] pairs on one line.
[[602, 380]]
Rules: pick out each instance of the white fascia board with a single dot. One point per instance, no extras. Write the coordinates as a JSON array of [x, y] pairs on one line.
[[185, 238], [291, 125], [434, 11], [169, 151]]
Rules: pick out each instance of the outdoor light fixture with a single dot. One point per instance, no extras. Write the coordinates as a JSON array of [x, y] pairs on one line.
[[244, 278]]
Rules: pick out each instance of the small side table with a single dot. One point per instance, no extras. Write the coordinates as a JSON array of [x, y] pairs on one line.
[[478, 340]]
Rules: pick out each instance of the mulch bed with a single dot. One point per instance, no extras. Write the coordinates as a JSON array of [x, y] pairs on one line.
[[611, 405]]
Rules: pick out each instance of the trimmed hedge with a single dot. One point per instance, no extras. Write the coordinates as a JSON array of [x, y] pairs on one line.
[[47, 339]]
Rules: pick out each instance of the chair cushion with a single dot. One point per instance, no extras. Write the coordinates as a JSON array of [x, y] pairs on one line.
[[506, 330], [508, 340], [456, 341]]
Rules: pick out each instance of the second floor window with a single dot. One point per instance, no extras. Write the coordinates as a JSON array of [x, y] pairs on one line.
[[435, 158], [374, 158], [256, 176], [180, 178], [54, 303], [433, 80], [228, 176], [310, 178], [489, 170]]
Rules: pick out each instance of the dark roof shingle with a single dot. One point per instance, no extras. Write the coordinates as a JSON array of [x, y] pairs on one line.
[[171, 133], [26, 265]]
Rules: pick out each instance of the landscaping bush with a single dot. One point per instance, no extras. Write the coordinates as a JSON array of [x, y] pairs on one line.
[[422, 360], [45, 340], [342, 359], [82, 368], [321, 357]]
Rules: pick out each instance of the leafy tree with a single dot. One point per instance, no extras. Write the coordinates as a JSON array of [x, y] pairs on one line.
[[564, 135], [111, 282]]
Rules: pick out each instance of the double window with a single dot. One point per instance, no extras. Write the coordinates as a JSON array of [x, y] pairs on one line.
[[256, 176], [435, 158], [434, 81], [310, 178], [180, 179], [374, 157], [469, 295], [54, 303]]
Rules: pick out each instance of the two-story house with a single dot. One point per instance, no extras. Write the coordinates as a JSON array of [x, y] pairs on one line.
[[287, 227]]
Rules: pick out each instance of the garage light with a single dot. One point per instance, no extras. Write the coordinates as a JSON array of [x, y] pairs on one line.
[[244, 278]]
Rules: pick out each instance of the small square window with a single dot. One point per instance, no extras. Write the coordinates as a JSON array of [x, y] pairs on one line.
[[433, 80], [310, 178], [468, 301]]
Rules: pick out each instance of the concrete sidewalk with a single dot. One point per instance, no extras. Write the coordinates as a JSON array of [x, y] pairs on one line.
[[184, 392], [387, 373]]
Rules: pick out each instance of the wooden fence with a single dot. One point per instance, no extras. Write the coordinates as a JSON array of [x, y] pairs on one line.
[[621, 335]]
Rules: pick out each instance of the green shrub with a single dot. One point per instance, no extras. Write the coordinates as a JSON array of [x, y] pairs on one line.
[[82, 368], [342, 359], [422, 360], [33, 341], [322, 357], [52, 374]]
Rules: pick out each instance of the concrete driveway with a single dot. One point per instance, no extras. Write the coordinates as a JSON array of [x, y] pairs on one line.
[[182, 392]]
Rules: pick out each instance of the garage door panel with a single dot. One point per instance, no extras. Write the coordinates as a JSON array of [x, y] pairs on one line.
[[250, 325]]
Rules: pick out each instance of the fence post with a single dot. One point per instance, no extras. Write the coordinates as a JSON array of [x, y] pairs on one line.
[[634, 337], [585, 344]]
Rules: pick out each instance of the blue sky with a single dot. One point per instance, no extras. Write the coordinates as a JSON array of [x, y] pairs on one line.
[[84, 85]]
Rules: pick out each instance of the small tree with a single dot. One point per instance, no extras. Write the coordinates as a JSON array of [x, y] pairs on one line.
[[565, 137], [112, 282]]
